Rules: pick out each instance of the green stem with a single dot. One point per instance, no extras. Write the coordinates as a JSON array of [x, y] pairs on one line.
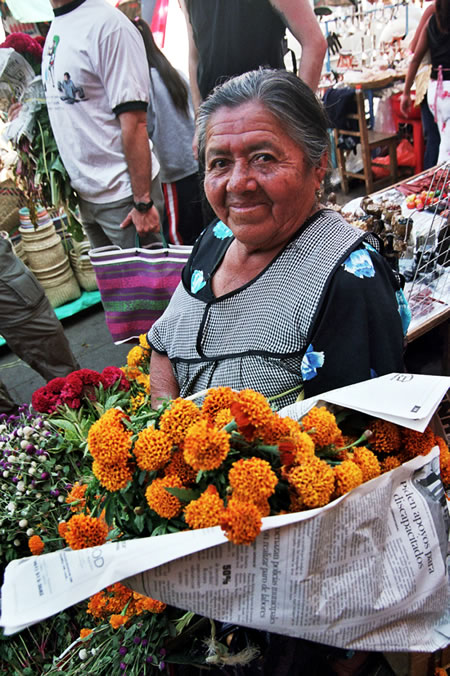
[[361, 439], [283, 394]]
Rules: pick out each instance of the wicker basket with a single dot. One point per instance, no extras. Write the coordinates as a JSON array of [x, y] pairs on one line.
[[84, 272], [61, 289], [11, 198]]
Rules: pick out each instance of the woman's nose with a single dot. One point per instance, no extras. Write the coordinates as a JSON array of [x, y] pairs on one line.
[[241, 178]]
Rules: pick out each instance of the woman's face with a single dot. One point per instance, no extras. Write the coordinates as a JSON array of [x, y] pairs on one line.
[[257, 179]]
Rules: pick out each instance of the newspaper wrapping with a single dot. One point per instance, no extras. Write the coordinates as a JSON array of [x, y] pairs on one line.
[[367, 572]]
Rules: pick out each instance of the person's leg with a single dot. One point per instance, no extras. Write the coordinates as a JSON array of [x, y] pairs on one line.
[[41, 342], [7, 404], [184, 220], [431, 135], [101, 223]]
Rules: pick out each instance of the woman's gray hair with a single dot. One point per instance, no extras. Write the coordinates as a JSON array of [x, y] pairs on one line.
[[287, 97]]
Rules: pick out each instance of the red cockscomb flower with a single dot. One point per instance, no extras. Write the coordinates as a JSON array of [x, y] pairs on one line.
[[46, 399], [111, 374]]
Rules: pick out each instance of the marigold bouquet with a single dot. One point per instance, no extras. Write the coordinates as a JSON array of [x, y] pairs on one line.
[[229, 462]]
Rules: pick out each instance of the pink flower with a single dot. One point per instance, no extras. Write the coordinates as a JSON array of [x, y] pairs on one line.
[[111, 374]]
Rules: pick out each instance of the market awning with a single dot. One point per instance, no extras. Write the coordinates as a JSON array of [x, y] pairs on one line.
[[30, 12]]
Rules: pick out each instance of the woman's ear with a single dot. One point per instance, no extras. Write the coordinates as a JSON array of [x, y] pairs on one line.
[[322, 169]]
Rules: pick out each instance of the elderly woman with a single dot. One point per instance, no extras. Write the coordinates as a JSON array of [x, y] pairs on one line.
[[279, 294]]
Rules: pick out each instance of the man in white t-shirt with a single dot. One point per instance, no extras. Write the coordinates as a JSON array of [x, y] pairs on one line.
[[96, 82]]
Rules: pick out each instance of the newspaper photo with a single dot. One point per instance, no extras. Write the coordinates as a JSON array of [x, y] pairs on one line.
[[368, 571]]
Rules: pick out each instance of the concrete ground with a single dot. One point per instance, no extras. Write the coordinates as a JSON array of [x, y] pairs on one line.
[[90, 342]]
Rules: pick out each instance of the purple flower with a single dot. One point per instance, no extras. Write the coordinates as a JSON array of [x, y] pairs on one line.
[[123, 666], [162, 652], [144, 642], [136, 640], [15, 479], [162, 666], [2, 416], [68, 487], [54, 493], [45, 475], [30, 449], [33, 483], [123, 650], [149, 659]]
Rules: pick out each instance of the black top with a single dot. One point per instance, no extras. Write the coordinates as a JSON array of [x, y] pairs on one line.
[[233, 37], [439, 44]]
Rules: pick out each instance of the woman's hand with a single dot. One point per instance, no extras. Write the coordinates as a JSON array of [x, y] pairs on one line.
[[405, 104]]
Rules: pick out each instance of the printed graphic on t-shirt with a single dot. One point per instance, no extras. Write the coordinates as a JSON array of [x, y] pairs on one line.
[[70, 92]]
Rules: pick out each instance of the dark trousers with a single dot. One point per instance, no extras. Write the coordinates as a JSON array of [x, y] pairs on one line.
[[431, 135], [183, 220]]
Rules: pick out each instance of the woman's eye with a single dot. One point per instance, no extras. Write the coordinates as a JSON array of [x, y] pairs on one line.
[[264, 158], [218, 163]]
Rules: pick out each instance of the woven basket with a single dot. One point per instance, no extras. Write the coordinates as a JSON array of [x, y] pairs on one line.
[[50, 272], [11, 199], [61, 289], [84, 272]]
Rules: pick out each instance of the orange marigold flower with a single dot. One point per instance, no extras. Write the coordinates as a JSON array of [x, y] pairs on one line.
[[84, 633], [143, 342], [385, 436], [76, 497], [347, 475], [313, 482], [252, 479], [389, 463], [36, 545], [366, 461], [112, 477], [108, 440], [62, 528], [205, 511], [444, 460], [176, 421], [322, 427], [135, 356], [263, 507], [160, 500], [85, 531], [417, 443], [295, 502], [152, 449], [252, 414], [216, 400], [180, 468], [117, 621], [143, 604], [241, 522], [296, 449], [205, 447], [223, 418]]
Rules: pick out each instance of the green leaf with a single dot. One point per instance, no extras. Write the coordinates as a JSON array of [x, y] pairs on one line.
[[183, 494]]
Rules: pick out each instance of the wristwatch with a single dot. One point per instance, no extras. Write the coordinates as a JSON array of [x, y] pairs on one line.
[[143, 207]]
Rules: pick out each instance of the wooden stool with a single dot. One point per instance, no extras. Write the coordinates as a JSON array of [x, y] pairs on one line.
[[369, 140]]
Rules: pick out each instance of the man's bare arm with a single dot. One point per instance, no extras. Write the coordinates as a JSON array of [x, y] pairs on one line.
[[299, 17], [136, 147]]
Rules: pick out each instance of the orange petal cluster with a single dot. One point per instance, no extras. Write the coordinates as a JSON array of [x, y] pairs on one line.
[[84, 633], [385, 437], [206, 511], [85, 531], [152, 449], [252, 414], [108, 440], [176, 421], [76, 499], [216, 400], [113, 477], [241, 522], [444, 460], [160, 500], [135, 356], [367, 462], [179, 467], [322, 427], [36, 545], [313, 482], [347, 476], [117, 621], [252, 479], [389, 463], [417, 443], [205, 447], [62, 528]]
